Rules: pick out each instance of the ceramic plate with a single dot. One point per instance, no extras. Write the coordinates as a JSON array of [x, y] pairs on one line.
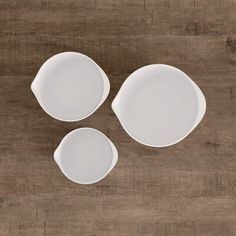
[[86, 155], [159, 105], [70, 86]]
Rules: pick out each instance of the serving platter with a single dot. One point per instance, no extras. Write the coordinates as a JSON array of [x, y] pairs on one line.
[[159, 105], [86, 155], [70, 86]]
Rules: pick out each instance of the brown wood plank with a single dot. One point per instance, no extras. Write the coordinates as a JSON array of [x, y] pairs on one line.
[[205, 56]]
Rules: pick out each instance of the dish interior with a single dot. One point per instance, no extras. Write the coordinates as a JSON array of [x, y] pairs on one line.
[[86, 156], [71, 87], [158, 105]]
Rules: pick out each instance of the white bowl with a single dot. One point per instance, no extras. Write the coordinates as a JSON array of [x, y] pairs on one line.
[[86, 155], [159, 105], [70, 86]]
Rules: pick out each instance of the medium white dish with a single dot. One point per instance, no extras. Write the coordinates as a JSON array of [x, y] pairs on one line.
[[159, 105], [86, 155], [70, 86]]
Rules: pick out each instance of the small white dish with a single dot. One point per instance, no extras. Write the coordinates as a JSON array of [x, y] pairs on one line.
[[86, 155], [70, 86], [159, 105]]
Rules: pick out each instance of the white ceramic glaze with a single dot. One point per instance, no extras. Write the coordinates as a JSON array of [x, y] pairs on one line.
[[70, 86], [159, 105], [86, 155]]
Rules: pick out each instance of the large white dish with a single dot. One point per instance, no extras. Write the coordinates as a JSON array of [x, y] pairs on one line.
[[70, 86], [159, 105], [86, 155]]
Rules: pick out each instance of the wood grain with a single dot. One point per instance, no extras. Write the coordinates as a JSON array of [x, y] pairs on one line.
[[186, 189]]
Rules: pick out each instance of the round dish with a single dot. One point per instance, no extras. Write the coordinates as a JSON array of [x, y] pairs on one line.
[[70, 86], [159, 105], [86, 155]]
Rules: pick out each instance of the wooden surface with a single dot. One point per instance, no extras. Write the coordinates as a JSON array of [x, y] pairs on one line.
[[186, 189]]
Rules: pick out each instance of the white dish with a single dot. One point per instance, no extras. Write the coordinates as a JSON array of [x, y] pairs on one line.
[[86, 155], [159, 105], [70, 86]]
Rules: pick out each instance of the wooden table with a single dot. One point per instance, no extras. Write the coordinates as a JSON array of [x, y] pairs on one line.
[[186, 189]]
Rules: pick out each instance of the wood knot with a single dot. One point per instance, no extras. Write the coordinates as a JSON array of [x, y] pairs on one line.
[[192, 28], [231, 44], [195, 28]]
